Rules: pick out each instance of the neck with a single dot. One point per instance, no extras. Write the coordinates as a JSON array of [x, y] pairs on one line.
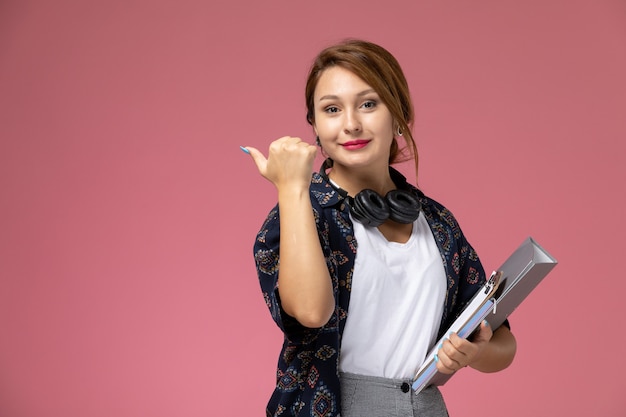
[[354, 181]]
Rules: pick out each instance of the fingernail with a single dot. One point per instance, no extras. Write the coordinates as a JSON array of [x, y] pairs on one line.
[[436, 358], [245, 150], [440, 346], [485, 323]]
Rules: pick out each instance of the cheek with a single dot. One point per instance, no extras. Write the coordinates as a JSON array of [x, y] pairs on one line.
[[327, 128], [388, 130], [385, 127]]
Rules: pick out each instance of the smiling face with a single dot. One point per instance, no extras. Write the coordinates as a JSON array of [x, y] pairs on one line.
[[354, 126]]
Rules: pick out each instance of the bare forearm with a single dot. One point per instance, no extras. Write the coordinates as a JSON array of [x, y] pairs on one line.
[[499, 352], [304, 282]]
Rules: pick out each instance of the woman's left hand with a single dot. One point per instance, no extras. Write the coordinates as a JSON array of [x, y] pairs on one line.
[[456, 353]]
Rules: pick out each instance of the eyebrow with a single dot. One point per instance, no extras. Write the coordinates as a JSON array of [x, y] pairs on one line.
[[334, 97]]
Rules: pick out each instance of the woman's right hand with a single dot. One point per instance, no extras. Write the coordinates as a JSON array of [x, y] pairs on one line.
[[304, 284], [289, 162]]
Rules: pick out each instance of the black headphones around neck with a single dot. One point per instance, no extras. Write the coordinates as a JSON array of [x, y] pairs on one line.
[[371, 209]]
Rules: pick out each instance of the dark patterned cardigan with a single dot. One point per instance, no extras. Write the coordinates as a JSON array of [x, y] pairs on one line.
[[307, 380]]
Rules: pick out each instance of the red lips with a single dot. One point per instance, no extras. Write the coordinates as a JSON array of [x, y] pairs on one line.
[[355, 144]]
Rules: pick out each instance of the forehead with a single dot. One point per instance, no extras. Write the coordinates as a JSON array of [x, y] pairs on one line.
[[340, 82]]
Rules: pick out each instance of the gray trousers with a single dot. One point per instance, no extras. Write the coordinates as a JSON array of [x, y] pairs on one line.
[[367, 396]]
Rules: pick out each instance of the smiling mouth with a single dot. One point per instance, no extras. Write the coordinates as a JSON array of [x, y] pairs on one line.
[[355, 144]]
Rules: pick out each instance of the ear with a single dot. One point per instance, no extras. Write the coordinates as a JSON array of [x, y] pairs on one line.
[[397, 130]]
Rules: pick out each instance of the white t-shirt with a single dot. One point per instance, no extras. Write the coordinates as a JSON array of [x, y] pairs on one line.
[[396, 303]]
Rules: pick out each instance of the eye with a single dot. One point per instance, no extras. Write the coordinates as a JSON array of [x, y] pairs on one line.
[[369, 104], [331, 109]]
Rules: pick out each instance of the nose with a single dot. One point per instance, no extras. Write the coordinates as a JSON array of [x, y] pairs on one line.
[[352, 123]]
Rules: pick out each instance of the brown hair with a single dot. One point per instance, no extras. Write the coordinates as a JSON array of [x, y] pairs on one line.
[[378, 68]]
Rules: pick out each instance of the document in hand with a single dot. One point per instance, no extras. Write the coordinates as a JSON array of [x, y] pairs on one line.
[[474, 313], [502, 294]]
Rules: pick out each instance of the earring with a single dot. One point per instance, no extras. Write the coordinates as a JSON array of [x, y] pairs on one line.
[[317, 141], [398, 131]]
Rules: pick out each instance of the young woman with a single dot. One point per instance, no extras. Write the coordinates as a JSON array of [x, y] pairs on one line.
[[361, 270]]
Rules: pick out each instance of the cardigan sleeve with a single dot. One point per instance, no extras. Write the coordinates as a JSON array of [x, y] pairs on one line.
[[267, 259]]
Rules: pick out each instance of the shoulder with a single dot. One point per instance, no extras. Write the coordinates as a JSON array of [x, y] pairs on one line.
[[324, 200], [436, 212], [322, 195], [322, 192], [432, 209], [447, 231]]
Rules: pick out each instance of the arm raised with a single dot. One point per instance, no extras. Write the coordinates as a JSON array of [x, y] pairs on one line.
[[304, 282]]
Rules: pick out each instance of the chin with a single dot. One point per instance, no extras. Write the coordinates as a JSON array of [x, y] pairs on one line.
[[358, 163]]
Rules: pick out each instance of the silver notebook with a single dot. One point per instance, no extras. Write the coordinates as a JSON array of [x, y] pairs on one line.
[[521, 273]]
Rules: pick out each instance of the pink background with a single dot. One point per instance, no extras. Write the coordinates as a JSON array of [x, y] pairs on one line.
[[128, 212]]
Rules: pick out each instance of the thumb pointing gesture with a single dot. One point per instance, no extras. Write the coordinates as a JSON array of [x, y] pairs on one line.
[[288, 164], [259, 160]]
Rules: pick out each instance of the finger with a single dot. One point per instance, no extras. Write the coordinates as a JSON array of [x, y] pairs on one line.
[[445, 365], [446, 361], [258, 158], [292, 144], [484, 334], [461, 350]]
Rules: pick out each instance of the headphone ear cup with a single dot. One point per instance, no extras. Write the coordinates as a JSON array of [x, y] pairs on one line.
[[369, 208], [404, 206]]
